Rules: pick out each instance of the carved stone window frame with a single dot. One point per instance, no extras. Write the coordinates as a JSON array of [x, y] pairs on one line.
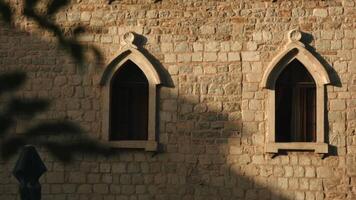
[[132, 53], [294, 49]]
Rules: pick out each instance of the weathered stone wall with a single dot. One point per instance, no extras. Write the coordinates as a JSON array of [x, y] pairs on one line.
[[212, 122]]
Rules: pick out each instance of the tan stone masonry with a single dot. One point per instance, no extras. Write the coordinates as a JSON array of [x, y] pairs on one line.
[[214, 121]]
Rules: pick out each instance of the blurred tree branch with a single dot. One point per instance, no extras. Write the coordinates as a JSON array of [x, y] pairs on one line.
[[62, 138], [45, 21]]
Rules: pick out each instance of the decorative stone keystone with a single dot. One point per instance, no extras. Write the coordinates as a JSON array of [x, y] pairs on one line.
[[129, 39], [28, 170], [294, 35]]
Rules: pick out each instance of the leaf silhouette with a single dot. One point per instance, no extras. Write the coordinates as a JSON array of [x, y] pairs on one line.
[[78, 30], [58, 150], [61, 138], [11, 81], [27, 107], [90, 146], [76, 50], [55, 5], [5, 124], [30, 4], [62, 127], [69, 44], [5, 12], [11, 146]]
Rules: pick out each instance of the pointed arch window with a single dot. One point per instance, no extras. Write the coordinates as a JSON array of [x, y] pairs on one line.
[[129, 104], [130, 85], [295, 81], [295, 105]]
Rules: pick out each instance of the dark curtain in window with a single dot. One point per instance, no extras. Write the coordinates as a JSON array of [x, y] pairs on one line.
[[295, 105], [129, 104]]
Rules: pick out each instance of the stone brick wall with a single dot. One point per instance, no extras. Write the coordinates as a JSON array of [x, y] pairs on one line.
[[212, 121]]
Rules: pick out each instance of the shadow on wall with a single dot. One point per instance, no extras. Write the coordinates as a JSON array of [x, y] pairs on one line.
[[209, 153], [335, 81], [307, 38]]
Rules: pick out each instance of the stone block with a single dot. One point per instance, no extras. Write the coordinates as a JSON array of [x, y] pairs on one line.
[[185, 57], [236, 46], [293, 184], [225, 46], [85, 189], [119, 167], [106, 39], [170, 58], [197, 46], [299, 195], [309, 172], [76, 177], [315, 184], [320, 12], [210, 57], [73, 17], [181, 47], [282, 183], [197, 56], [222, 57], [169, 105], [233, 56], [100, 188], [93, 178], [337, 105], [207, 29], [324, 172], [115, 189], [250, 56], [210, 70], [166, 47], [251, 46], [212, 47], [55, 177], [288, 171]]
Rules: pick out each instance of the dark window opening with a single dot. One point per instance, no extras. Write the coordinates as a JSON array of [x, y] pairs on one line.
[[295, 105], [129, 104]]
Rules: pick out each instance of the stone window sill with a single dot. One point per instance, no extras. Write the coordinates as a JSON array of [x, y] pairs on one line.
[[134, 144], [321, 148]]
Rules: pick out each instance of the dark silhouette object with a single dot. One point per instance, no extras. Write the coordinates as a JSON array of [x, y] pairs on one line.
[[28, 169]]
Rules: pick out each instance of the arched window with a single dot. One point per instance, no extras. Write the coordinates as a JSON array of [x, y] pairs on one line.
[[129, 104], [295, 81], [130, 83], [295, 105]]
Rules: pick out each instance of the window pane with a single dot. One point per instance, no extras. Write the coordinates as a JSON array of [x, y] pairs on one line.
[[129, 104]]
